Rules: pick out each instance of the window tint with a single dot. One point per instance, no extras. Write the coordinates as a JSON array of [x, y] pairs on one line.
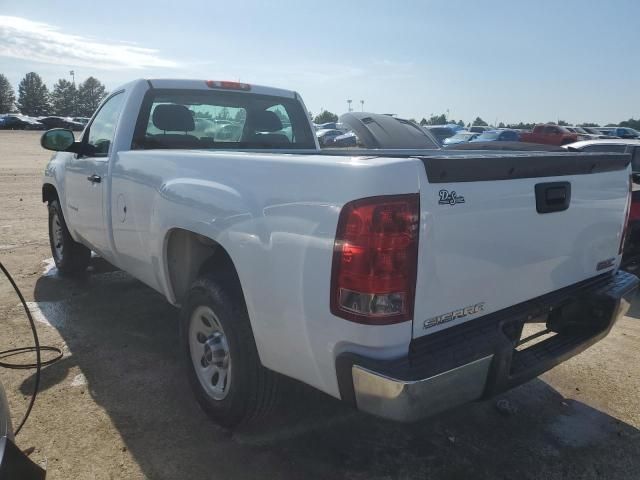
[[220, 119], [103, 127], [605, 148]]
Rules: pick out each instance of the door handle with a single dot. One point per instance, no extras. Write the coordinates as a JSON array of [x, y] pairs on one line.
[[94, 178]]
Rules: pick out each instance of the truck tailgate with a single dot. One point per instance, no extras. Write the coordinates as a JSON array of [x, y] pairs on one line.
[[500, 229]]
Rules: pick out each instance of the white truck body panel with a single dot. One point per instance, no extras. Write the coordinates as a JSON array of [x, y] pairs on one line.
[[497, 250]]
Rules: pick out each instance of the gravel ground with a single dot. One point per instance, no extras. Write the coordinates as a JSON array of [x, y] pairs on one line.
[[118, 406]]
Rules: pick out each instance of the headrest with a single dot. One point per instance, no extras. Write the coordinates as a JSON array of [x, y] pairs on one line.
[[173, 118], [266, 121]]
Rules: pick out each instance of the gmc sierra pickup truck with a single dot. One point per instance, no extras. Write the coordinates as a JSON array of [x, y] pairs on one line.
[[396, 280]]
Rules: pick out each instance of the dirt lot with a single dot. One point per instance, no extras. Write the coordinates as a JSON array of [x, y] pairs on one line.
[[118, 405]]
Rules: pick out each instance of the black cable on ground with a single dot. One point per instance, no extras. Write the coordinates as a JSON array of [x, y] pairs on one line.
[[36, 348]]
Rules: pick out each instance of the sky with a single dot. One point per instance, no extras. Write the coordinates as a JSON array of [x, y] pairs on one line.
[[505, 61]]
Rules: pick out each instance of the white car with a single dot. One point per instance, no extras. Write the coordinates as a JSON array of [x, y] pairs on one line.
[[396, 280]]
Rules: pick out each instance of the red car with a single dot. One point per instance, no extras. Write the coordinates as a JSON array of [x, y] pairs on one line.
[[551, 135]]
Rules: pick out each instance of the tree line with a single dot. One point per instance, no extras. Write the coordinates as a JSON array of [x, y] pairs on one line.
[[326, 117], [35, 99]]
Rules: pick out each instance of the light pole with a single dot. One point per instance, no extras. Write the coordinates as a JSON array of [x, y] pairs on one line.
[[75, 96], [362, 105], [349, 105]]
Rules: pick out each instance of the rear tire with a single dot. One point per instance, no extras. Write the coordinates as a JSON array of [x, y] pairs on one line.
[[71, 258], [221, 357]]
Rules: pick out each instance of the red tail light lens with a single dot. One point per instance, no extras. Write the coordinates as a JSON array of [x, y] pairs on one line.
[[375, 260], [625, 226]]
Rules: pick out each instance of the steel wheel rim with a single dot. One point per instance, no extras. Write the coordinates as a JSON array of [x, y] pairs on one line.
[[57, 236], [210, 352]]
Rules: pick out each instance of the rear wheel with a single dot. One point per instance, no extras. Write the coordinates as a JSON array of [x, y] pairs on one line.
[[221, 357], [71, 257]]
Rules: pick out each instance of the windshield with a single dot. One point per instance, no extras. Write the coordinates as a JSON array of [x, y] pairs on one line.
[[191, 119], [488, 136]]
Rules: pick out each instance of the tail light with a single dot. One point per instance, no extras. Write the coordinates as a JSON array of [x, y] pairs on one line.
[[375, 260], [625, 226]]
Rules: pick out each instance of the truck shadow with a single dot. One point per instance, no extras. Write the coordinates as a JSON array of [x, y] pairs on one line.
[[123, 337]]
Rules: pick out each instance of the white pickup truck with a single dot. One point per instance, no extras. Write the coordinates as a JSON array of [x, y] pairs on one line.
[[396, 280]]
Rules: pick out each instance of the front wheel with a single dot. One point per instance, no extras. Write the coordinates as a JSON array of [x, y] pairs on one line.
[[71, 258], [221, 357]]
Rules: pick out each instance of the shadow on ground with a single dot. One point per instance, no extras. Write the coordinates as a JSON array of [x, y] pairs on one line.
[[123, 336]]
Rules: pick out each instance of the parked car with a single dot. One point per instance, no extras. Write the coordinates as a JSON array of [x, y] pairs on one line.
[[325, 136], [480, 128], [82, 120], [502, 135], [331, 126], [460, 137], [624, 132], [348, 139], [61, 122], [381, 131], [19, 122], [594, 132], [348, 273], [440, 132], [551, 135]]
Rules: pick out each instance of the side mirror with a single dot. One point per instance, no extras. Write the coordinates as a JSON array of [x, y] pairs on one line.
[[57, 139]]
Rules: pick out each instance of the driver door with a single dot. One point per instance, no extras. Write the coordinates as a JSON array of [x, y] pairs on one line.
[[86, 177]]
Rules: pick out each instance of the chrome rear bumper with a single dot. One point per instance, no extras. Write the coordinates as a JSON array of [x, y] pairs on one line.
[[406, 401], [479, 359]]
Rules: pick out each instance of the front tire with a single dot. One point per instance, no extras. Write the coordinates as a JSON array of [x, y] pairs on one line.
[[221, 357], [71, 258]]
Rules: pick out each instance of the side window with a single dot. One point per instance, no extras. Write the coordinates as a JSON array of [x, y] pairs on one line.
[[103, 127]]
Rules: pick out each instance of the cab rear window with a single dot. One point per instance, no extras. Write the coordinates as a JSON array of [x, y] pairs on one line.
[[192, 119]]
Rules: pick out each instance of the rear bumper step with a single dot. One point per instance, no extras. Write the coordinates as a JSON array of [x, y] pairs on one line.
[[479, 359]]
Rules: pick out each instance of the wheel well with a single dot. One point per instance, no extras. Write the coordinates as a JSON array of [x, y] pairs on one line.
[[190, 255], [49, 193]]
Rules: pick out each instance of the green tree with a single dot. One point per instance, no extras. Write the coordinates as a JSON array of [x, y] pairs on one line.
[[7, 95], [611, 125], [501, 125], [64, 97], [33, 95], [631, 123], [460, 123], [223, 114], [588, 124], [325, 117], [423, 122], [479, 122], [241, 115], [437, 119], [562, 123], [90, 93]]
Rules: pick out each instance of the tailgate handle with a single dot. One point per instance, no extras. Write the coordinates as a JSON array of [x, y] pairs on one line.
[[553, 197]]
